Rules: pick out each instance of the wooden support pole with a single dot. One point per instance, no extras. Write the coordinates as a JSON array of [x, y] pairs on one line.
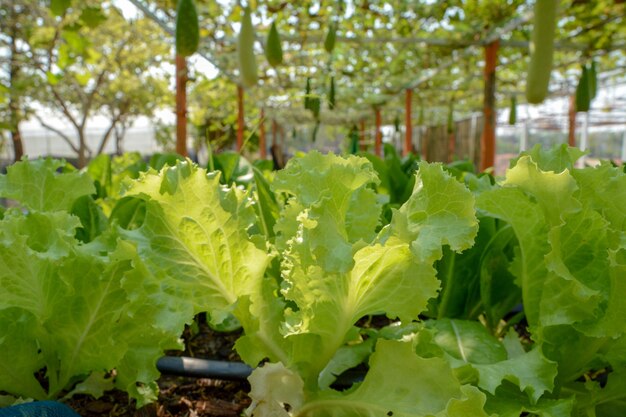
[[362, 137], [240, 119], [488, 139], [262, 144], [571, 136], [181, 105], [408, 140], [379, 134]]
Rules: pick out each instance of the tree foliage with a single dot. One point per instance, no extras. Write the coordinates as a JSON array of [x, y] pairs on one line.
[[79, 67]]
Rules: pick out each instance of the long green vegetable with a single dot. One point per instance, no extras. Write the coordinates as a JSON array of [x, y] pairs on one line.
[[273, 48], [187, 28], [513, 111], [542, 50], [245, 51], [583, 91], [331, 94], [331, 38]]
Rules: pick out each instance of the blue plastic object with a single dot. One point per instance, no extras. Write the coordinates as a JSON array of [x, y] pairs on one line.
[[38, 409]]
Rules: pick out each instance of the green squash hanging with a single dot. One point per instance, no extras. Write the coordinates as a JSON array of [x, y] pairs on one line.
[[542, 50], [331, 38], [187, 28], [583, 97], [513, 111], [273, 48], [307, 94], [593, 80], [245, 51]]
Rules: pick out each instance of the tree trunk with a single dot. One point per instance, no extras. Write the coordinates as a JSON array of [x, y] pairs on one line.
[[82, 150]]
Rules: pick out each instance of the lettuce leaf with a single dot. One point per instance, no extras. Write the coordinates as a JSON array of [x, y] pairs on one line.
[[38, 185], [194, 238]]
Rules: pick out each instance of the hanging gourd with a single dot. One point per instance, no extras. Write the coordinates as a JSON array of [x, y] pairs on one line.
[[583, 97], [245, 51], [593, 80], [331, 37], [513, 111], [542, 50], [273, 48], [187, 28], [331, 94], [420, 118], [315, 105], [307, 94]]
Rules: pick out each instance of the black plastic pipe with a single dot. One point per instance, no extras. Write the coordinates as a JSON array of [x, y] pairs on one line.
[[232, 371], [203, 368]]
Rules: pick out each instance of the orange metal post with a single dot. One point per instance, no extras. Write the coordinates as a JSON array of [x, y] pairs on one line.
[[240, 121], [181, 105], [488, 139], [408, 140], [362, 138], [571, 137], [379, 134]]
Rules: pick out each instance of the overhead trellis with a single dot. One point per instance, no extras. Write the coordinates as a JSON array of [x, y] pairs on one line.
[[383, 49]]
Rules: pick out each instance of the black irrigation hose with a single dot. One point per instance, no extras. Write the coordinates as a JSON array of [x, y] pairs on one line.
[[232, 371], [203, 368]]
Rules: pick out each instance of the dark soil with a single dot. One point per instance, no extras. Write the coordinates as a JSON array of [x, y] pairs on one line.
[[181, 396]]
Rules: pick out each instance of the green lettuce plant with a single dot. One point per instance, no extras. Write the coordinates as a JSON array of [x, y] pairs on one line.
[[334, 269], [72, 311]]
